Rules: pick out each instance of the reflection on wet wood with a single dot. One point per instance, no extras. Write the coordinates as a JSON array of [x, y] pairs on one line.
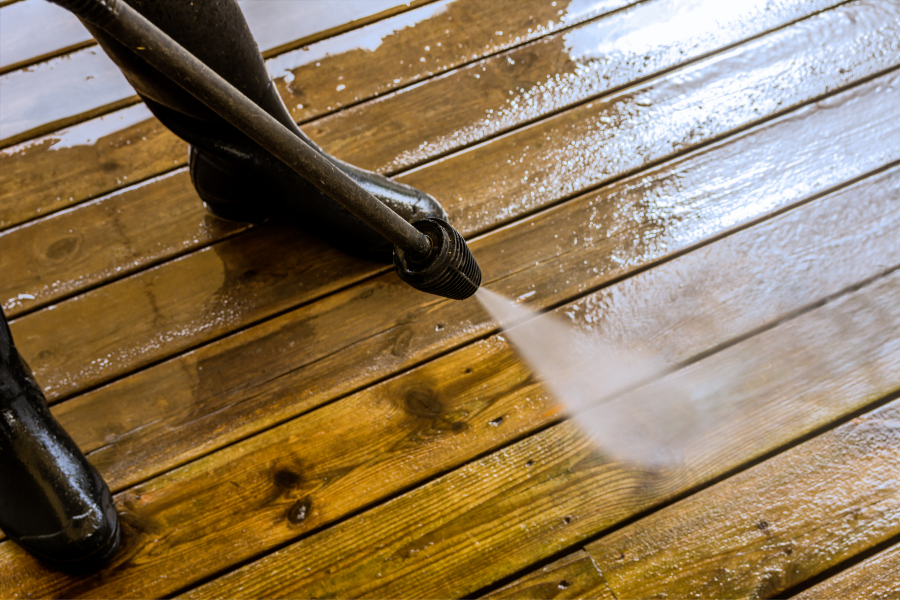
[[322, 398], [534, 498], [771, 528], [30, 103], [474, 211], [574, 576], [874, 578], [61, 169], [34, 30], [450, 411], [143, 434], [566, 69], [573, 156]]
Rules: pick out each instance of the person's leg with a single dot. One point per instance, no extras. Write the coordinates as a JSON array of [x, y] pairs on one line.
[[234, 176], [52, 500]]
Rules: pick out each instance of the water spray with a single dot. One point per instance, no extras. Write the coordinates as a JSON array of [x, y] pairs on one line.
[[430, 255]]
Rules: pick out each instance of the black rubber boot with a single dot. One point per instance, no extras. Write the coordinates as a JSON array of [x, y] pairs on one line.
[[236, 178], [53, 502]]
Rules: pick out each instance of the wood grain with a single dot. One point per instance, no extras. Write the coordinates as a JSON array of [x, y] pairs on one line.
[[552, 74], [45, 175], [550, 491], [573, 576], [873, 579], [302, 476], [60, 169], [771, 528], [285, 366], [98, 358]]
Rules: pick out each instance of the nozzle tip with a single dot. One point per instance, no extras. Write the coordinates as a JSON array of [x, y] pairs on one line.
[[448, 270]]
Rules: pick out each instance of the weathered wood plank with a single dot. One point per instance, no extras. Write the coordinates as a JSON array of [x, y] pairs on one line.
[[771, 528], [447, 412], [873, 579], [555, 73], [124, 342], [30, 102], [60, 169], [49, 174], [573, 576], [305, 474], [286, 366], [551, 491]]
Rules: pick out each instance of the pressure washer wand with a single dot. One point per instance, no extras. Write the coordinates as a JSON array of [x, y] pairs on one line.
[[430, 255]]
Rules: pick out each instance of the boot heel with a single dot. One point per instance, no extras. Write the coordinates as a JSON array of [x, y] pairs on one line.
[[214, 183]]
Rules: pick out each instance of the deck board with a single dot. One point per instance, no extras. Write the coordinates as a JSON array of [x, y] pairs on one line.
[[725, 197], [161, 418], [574, 156], [60, 170], [874, 578], [766, 530], [130, 245], [431, 541], [573, 576], [93, 85], [415, 426]]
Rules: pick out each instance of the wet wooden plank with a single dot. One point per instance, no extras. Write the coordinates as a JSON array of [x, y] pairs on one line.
[[175, 411], [29, 98], [30, 102], [551, 491], [874, 578], [60, 169], [46, 282], [27, 166], [303, 475], [771, 528], [446, 412], [573, 576], [34, 30], [99, 357], [553, 74]]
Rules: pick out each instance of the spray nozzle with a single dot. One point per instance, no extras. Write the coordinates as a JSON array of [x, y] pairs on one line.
[[448, 268]]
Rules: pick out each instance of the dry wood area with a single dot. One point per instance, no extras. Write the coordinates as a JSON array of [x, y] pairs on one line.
[[717, 183]]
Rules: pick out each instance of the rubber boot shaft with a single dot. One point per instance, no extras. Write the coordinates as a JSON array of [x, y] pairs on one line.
[[53, 502], [235, 177]]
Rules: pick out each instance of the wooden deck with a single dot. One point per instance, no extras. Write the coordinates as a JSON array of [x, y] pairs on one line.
[[717, 182]]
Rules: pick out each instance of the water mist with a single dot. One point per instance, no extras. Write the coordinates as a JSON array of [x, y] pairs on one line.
[[639, 409]]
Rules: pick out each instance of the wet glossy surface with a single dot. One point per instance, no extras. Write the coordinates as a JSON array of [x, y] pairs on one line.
[[30, 98], [417, 44], [533, 264], [42, 176], [140, 341], [74, 87], [581, 148], [32, 29], [241, 404], [550, 487], [557, 72], [53, 503]]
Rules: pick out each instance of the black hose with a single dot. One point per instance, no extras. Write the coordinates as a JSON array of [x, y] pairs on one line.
[[165, 54], [429, 255]]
